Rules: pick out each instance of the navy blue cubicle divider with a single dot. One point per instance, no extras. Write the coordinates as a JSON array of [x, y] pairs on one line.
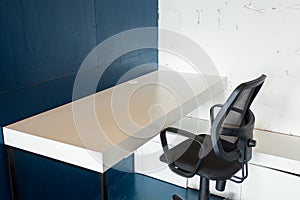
[[42, 45]]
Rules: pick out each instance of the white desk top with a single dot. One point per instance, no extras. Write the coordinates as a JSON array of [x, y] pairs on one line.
[[98, 131]]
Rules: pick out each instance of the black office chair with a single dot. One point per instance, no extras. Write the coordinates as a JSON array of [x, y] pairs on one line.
[[226, 151]]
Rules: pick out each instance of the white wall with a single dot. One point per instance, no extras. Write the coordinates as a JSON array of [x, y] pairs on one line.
[[245, 40]]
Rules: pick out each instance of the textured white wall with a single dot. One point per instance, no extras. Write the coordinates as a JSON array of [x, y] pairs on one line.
[[245, 39]]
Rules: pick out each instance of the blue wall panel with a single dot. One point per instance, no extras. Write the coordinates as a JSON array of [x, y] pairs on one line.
[[43, 40], [4, 184], [128, 66], [43, 178], [42, 45], [49, 179], [115, 16], [22, 103]]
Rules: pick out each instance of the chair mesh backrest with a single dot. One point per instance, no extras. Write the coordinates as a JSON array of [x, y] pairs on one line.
[[233, 115], [238, 106]]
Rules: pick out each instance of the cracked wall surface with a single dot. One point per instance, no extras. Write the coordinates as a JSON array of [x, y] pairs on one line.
[[245, 39]]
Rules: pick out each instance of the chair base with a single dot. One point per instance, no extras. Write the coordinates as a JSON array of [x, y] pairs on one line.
[[203, 192], [177, 197]]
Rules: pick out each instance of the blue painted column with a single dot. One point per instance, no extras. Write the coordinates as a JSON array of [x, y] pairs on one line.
[[42, 45]]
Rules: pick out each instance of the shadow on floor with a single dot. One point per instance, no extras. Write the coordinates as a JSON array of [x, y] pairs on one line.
[[140, 187]]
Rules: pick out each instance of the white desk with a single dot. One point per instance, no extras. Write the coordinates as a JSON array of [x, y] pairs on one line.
[[98, 131]]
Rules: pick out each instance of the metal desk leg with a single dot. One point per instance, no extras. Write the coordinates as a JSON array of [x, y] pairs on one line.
[[103, 186], [12, 171]]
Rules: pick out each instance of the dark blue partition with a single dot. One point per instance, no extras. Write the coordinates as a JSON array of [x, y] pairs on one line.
[[43, 40], [43, 44]]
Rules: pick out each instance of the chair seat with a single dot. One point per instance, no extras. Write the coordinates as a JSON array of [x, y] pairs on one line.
[[211, 166]]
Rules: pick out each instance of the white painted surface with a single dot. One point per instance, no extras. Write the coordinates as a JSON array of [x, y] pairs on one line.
[[245, 39], [277, 151], [147, 162], [113, 122], [232, 190], [280, 145], [276, 162], [265, 184]]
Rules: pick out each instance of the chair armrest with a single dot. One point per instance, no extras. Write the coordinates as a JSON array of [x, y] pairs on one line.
[[168, 155], [212, 113]]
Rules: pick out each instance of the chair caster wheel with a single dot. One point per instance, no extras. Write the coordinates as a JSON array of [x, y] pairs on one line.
[[177, 197]]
